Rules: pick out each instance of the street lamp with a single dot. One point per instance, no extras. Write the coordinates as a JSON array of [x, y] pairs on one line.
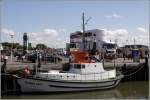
[[11, 35]]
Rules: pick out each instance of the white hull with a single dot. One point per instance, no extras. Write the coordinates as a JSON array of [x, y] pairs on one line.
[[38, 85]]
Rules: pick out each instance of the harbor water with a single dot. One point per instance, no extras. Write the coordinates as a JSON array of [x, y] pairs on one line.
[[125, 90]]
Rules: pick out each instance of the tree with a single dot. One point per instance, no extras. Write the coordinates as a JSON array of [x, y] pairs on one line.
[[19, 47], [7, 45], [41, 46], [30, 46]]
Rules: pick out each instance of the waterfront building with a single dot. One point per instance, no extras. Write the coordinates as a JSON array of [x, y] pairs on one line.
[[90, 37]]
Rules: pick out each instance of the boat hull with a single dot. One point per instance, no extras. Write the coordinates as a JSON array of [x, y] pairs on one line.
[[39, 85]]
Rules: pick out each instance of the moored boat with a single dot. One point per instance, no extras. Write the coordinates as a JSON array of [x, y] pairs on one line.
[[84, 73]]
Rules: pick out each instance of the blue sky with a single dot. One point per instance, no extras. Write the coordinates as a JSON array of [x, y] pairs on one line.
[[64, 17]]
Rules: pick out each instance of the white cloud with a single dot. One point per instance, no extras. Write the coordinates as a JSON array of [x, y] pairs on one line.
[[7, 31], [142, 39], [50, 32], [124, 38], [50, 37], [61, 30], [5, 35], [141, 29], [117, 34], [113, 16]]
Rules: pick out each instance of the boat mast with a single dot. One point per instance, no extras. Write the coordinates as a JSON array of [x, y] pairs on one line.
[[83, 28]]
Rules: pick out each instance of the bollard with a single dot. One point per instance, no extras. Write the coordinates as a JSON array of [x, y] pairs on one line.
[[146, 68], [14, 84], [5, 79], [124, 68]]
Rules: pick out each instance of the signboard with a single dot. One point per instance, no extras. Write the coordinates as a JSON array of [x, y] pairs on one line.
[[136, 55]]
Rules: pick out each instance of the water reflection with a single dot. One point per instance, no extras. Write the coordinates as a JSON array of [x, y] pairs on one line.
[[126, 90]]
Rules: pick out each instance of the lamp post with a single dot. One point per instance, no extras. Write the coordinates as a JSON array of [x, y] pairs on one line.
[[11, 45], [115, 53]]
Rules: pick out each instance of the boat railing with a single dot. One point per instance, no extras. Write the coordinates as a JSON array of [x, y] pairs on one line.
[[92, 76]]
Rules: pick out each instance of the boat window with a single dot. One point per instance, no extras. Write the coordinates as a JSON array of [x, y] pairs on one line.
[[77, 66], [83, 66], [71, 66]]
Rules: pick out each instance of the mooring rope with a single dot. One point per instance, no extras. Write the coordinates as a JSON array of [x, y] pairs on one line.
[[126, 70], [135, 71]]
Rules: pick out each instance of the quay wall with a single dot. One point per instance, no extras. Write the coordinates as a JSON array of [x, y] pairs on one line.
[[9, 83]]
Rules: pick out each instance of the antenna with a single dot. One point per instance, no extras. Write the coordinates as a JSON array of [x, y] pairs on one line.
[[88, 20]]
